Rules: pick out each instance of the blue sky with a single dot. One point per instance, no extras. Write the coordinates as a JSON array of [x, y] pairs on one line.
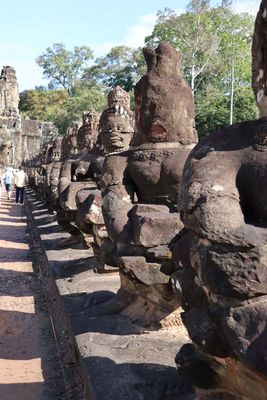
[[28, 27]]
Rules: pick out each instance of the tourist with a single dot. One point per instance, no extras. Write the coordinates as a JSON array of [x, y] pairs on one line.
[[20, 183], [1, 188], [8, 178]]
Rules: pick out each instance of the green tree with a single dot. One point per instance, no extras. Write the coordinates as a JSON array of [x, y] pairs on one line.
[[216, 46], [64, 67], [42, 104], [212, 108], [85, 98], [56, 106], [122, 66]]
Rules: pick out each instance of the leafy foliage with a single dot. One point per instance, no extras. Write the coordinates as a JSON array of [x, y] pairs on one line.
[[42, 104], [64, 67], [213, 41], [212, 108], [122, 66], [56, 106]]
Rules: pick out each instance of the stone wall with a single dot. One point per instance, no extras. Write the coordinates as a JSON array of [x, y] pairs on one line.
[[34, 134], [20, 139]]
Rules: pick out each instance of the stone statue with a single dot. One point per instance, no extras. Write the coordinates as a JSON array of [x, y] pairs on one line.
[[116, 128], [88, 132], [140, 189], [82, 141], [222, 259], [79, 180], [69, 141], [53, 156]]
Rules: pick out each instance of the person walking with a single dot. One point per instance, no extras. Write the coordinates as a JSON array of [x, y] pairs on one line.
[[20, 183], [8, 178], [1, 189]]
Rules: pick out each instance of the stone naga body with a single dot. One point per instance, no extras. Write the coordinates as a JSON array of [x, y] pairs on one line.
[[223, 256], [140, 188]]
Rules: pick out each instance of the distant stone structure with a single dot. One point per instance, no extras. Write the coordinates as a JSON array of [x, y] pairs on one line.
[[20, 139]]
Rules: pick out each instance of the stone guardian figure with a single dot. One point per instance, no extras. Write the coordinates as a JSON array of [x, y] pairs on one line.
[[140, 188], [222, 259]]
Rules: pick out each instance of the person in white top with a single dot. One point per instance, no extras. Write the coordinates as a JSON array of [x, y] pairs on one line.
[[20, 183]]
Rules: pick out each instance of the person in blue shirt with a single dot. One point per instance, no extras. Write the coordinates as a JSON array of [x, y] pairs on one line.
[[8, 178]]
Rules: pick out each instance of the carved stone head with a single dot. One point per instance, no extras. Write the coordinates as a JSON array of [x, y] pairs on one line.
[[164, 102], [88, 132], [116, 123], [54, 152], [69, 142]]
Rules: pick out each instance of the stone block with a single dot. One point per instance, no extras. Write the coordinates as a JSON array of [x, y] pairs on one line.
[[152, 228], [147, 273]]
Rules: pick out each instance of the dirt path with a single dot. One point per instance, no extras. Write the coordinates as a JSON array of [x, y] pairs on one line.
[[31, 365]]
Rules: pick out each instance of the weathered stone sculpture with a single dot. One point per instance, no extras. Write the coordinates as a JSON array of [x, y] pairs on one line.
[[140, 188], [88, 132], [224, 253], [75, 146], [116, 128], [85, 139], [69, 141], [53, 156], [79, 180], [39, 165]]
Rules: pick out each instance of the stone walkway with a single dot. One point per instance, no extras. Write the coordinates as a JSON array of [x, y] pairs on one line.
[[28, 354], [121, 360]]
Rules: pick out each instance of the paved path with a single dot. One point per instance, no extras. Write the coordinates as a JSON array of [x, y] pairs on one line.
[[28, 356]]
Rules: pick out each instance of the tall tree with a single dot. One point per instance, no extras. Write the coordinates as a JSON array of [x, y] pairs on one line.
[[56, 106], [210, 38], [121, 66], [42, 104], [64, 67]]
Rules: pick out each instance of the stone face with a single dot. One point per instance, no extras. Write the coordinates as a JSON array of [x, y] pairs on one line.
[[140, 187], [88, 132], [116, 122], [69, 143]]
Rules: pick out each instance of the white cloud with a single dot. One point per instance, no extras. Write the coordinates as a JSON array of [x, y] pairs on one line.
[[251, 7], [143, 27], [101, 49], [29, 75], [137, 33]]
